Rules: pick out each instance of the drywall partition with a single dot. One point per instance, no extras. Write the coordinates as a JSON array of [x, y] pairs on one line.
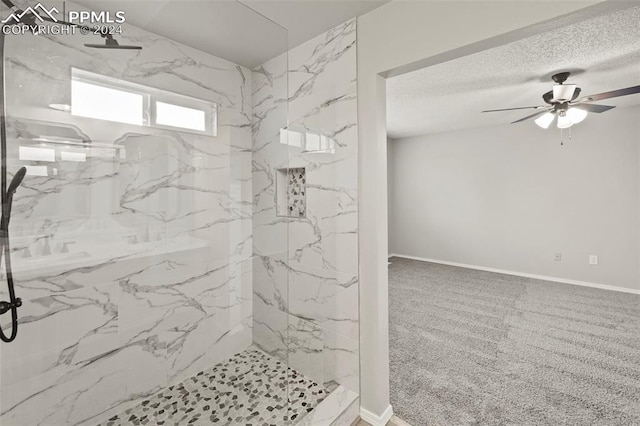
[[399, 36], [510, 197], [390, 200]]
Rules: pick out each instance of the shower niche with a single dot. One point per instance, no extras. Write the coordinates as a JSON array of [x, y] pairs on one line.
[[291, 192]]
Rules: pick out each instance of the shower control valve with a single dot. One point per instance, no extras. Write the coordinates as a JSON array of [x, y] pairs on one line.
[[7, 306]]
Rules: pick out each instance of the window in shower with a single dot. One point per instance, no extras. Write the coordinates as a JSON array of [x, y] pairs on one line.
[[179, 116], [105, 98], [107, 103]]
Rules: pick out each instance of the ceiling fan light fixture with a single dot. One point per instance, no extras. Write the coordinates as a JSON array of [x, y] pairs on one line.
[[576, 115], [564, 122], [545, 120], [563, 92]]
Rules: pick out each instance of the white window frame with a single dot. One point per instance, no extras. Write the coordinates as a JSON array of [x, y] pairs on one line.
[[151, 96]]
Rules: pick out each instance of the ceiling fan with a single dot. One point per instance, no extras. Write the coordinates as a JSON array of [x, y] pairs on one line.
[[563, 102]]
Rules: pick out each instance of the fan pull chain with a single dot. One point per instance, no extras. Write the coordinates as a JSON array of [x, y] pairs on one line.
[[561, 137]]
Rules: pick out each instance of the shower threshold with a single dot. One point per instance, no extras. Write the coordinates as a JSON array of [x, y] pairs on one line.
[[251, 388]]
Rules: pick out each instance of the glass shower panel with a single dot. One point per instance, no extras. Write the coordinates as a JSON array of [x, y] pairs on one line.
[[323, 216], [142, 242]]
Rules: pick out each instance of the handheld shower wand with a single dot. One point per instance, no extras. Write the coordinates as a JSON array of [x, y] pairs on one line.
[[5, 248], [16, 181], [13, 187], [6, 193]]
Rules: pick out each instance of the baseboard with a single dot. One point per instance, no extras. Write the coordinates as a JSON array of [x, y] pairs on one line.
[[522, 274], [374, 420]]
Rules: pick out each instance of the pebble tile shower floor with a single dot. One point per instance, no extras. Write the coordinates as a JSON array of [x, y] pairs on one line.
[[248, 389]]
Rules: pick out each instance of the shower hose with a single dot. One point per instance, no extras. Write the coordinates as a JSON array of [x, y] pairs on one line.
[[7, 197]]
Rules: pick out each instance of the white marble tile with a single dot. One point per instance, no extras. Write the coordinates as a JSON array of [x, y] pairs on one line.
[[270, 329], [270, 320], [323, 99], [62, 331], [305, 348], [185, 311], [145, 372], [325, 239], [319, 69], [350, 415], [331, 408], [328, 298], [268, 154], [270, 281], [74, 396], [341, 361]]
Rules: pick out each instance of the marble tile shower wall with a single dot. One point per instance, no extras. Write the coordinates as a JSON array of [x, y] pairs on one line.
[[306, 287], [154, 284]]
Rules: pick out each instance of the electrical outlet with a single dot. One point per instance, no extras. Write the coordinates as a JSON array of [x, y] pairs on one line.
[[593, 259], [558, 257]]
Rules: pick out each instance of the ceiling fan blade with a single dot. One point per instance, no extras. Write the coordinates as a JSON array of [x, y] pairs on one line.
[[576, 93], [613, 94], [535, 114], [513, 109], [594, 107]]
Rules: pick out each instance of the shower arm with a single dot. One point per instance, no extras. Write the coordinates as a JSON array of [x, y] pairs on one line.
[[10, 5]]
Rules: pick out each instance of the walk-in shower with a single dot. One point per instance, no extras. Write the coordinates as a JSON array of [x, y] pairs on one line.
[[183, 226]]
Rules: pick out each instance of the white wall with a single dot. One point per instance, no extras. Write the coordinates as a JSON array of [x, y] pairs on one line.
[[390, 199], [510, 197], [397, 36]]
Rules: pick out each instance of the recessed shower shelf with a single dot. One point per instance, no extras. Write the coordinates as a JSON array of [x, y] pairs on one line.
[[291, 192]]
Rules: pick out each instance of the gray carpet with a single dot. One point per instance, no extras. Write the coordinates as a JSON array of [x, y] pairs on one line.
[[477, 348]]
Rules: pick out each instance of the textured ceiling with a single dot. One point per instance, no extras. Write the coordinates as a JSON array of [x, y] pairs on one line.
[[232, 29], [603, 53]]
